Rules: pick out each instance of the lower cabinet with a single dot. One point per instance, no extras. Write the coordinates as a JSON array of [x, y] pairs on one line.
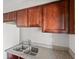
[[11, 56]]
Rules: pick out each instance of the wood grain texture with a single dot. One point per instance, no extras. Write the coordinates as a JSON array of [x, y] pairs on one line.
[[8, 17], [53, 18], [22, 18], [21, 58], [12, 16], [35, 16], [11, 56], [72, 17], [5, 17]]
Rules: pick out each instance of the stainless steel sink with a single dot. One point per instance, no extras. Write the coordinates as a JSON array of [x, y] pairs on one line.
[[20, 48], [27, 49], [31, 51]]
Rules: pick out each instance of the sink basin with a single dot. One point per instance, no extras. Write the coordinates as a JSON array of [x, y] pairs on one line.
[[20, 48], [27, 49]]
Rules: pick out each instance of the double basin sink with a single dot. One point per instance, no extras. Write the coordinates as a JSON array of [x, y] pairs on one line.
[[26, 48]]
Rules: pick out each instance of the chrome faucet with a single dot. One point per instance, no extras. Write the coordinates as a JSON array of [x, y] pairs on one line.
[[29, 42], [22, 44]]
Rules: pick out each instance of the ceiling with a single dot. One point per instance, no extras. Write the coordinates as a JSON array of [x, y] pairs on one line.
[[12, 5]]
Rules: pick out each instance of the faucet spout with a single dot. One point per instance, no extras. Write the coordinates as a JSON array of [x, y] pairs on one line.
[[29, 42]]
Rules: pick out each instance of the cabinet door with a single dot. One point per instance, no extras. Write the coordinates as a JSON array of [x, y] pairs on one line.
[[5, 17], [72, 17], [8, 17], [11, 56], [54, 19], [35, 16], [12, 16], [21, 58], [22, 18]]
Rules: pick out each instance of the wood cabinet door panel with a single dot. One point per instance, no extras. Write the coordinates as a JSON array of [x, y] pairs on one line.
[[21, 58], [12, 16], [72, 17], [11, 56], [22, 18], [8, 17], [35, 16], [53, 18], [5, 17]]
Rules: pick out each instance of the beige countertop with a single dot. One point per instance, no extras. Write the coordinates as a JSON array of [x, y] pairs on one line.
[[44, 53]]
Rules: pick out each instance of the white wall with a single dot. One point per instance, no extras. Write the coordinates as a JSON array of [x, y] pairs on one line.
[[10, 37], [61, 39], [36, 35], [72, 42], [11, 5]]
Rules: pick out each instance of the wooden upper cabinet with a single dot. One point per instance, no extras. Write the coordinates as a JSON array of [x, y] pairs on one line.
[[12, 16], [35, 16], [5, 17], [8, 17], [54, 18], [21, 20], [72, 17]]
